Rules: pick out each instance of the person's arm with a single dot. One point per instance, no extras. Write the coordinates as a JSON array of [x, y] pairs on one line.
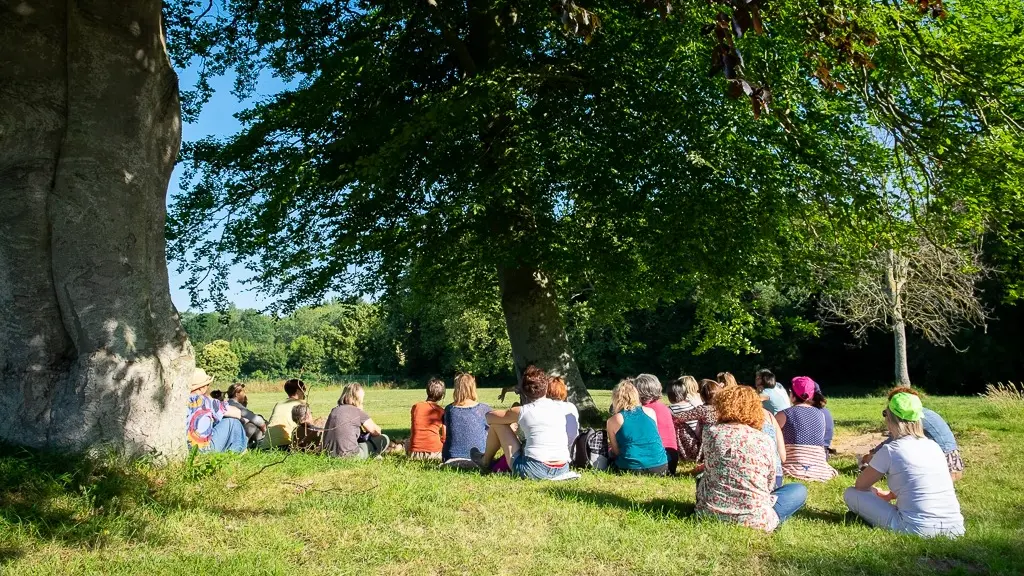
[[780, 443], [867, 479], [232, 412], [371, 427], [781, 419], [612, 426], [510, 416]]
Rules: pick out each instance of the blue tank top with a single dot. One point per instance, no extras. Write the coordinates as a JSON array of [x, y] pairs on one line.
[[639, 442]]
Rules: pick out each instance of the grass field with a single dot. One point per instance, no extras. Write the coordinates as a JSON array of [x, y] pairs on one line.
[[254, 514]]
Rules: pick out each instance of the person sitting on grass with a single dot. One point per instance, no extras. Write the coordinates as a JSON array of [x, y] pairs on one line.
[[634, 444], [650, 391], [558, 392], [804, 430], [683, 394], [350, 431], [544, 452], [465, 422], [281, 425], [935, 429], [212, 425], [726, 379], [255, 425], [739, 476], [689, 425], [918, 477], [426, 431], [774, 397], [307, 436]]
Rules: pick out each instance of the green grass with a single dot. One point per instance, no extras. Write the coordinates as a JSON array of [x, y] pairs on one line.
[[317, 515]]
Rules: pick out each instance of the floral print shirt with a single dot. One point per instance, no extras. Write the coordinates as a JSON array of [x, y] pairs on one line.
[[739, 476], [689, 425]]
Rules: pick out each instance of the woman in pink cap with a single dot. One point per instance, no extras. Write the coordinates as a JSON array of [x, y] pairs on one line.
[[804, 430]]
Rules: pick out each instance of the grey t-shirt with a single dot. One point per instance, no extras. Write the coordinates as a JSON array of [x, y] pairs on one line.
[[341, 432], [918, 475]]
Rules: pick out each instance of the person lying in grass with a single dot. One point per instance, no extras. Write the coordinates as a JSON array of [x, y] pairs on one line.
[[212, 425], [544, 452], [426, 430], [805, 429], [350, 431], [935, 429], [307, 436], [738, 484], [919, 482], [634, 444], [465, 421]]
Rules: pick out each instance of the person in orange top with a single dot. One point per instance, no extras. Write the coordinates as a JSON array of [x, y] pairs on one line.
[[427, 431]]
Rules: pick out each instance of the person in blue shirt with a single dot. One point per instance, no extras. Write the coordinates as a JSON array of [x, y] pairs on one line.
[[935, 429], [774, 397]]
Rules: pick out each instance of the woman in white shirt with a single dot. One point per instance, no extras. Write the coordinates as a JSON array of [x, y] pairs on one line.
[[544, 452], [918, 478]]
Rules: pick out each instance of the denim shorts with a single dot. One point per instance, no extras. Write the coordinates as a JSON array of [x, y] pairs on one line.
[[526, 467]]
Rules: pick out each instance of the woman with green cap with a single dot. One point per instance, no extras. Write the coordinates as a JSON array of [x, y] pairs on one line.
[[919, 480]]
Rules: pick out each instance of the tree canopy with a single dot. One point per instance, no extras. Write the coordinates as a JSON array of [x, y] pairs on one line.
[[635, 153]]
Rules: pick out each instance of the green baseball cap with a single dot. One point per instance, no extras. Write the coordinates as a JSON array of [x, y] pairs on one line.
[[906, 407]]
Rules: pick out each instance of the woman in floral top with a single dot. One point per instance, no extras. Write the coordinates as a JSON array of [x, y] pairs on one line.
[[689, 424], [739, 476]]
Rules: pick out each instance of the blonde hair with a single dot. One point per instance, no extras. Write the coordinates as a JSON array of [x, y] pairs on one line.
[[464, 388], [898, 428], [692, 389], [727, 379], [625, 396], [352, 395]]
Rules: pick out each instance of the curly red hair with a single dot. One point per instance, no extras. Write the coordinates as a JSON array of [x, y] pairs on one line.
[[557, 389], [740, 405]]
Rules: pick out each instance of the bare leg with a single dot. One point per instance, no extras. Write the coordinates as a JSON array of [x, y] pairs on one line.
[[508, 440], [492, 446]]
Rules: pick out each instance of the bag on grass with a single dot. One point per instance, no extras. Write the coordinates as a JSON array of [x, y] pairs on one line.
[[590, 450]]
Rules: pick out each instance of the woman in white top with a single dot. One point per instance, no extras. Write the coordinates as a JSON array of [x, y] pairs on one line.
[[544, 452], [918, 477]]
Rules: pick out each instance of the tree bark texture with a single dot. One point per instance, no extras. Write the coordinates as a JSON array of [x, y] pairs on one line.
[[536, 331], [895, 279], [91, 349]]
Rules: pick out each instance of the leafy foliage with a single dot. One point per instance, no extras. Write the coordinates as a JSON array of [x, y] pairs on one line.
[[219, 361]]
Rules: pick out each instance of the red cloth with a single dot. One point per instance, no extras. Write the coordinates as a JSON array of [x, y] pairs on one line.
[[426, 434], [666, 429]]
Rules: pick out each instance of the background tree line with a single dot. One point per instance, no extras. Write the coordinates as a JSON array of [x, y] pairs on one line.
[[416, 332]]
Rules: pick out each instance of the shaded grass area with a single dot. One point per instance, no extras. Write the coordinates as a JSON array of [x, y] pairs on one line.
[[311, 514]]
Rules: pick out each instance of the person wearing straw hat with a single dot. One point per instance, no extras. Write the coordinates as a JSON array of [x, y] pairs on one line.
[[212, 425], [918, 477]]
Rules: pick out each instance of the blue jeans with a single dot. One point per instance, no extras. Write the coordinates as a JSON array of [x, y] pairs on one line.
[[790, 498], [526, 467], [228, 436]]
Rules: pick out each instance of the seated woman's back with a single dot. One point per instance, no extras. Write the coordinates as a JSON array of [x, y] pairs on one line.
[[739, 476], [916, 471], [542, 424], [638, 441], [804, 433], [465, 429]]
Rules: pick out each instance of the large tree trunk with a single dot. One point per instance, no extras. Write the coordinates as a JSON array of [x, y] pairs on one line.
[[91, 349], [537, 334]]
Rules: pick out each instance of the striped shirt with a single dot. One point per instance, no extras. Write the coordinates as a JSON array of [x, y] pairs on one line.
[[804, 435]]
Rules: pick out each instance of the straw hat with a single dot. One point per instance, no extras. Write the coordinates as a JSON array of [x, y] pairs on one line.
[[199, 379]]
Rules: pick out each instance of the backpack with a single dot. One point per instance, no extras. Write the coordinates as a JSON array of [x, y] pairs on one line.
[[590, 450]]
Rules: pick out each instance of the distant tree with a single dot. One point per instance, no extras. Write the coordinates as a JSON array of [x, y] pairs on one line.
[[219, 360], [933, 289], [306, 355], [269, 359]]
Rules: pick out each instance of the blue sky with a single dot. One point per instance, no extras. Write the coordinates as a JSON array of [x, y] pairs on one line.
[[216, 119]]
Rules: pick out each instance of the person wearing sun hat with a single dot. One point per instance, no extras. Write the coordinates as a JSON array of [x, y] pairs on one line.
[[918, 478], [212, 425]]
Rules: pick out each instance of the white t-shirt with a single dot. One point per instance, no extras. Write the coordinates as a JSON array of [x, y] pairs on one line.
[[543, 425], [918, 475]]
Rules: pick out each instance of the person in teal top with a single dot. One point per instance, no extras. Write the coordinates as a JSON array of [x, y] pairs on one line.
[[633, 440]]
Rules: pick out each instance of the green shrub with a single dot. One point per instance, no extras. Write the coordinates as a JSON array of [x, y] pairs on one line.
[[219, 361]]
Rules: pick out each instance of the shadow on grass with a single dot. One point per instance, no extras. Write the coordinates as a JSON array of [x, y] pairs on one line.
[[82, 501], [656, 507], [9, 554]]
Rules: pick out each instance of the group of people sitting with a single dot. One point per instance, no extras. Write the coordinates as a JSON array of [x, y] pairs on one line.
[[742, 441]]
